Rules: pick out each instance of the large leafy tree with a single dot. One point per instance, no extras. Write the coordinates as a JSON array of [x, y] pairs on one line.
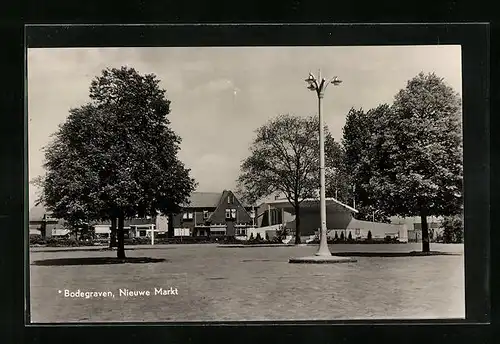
[[357, 142], [116, 157], [284, 158], [416, 153], [337, 178]]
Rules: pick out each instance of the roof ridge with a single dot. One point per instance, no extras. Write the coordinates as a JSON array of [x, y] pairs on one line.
[[219, 203]]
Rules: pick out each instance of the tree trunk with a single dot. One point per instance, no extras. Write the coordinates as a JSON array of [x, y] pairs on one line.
[[43, 230], [120, 253], [297, 224], [425, 231], [170, 230], [112, 234]]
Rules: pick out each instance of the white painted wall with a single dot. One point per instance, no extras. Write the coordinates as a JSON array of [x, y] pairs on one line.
[[102, 229], [60, 232], [261, 231], [161, 223], [360, 229]]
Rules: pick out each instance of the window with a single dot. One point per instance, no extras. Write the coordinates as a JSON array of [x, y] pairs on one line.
[[142, 233], [205, 214], [241, 231], [229, 200], [230, 213], [187, 216], [357, 231], [217, 231], [182, 232]]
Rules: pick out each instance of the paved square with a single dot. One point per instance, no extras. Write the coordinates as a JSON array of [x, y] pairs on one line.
[[241, 284]]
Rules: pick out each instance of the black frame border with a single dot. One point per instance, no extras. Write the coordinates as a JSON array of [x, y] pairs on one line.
[[474, 39]]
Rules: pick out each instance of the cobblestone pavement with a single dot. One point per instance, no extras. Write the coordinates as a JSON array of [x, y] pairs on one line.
[[207, 283]]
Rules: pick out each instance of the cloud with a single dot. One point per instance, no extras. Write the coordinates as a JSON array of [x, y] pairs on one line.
[[216, 85]]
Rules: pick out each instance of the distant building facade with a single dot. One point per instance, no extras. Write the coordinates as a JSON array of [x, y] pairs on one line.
[[340, 220], [206, 214], [414, 224], [42, 223]]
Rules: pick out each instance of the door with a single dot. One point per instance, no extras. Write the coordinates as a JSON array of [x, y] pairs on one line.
[[230, 228]]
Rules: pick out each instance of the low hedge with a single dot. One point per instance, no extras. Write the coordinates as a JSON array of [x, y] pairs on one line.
[[69, 242], [359, 241], [59, 242], [183, 240]]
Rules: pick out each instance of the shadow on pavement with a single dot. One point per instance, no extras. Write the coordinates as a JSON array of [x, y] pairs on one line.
[[395, 254], [37, 249], [97, 261]]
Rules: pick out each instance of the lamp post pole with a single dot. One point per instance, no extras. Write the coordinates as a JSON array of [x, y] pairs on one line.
[[152, 235], [319, 85]]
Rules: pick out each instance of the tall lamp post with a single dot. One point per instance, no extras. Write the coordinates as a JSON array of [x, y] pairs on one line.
[[319, 85]]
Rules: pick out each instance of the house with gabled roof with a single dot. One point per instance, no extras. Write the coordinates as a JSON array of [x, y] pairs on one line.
[[214, 214]]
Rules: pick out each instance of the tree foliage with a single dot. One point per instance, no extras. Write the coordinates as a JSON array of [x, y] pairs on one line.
[[284, 158], [419, 160], [412, 160], [357, 142], [116, 156]]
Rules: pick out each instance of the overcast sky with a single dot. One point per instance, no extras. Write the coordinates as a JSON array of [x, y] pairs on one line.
[[221, 95]]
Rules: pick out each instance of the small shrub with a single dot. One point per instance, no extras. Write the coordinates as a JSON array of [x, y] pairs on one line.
[[336, 236], [276, 240], [342, 236], [281, 233], [316, 240], [369, 237], [258, 238], [37, 240], [390, 240], [267, 237], [453, 229], [350, 236], [251, 236]]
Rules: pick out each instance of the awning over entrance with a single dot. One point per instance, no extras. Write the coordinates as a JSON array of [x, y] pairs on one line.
[[332, 205]]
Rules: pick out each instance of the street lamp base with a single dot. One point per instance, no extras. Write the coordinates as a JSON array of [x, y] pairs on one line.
[[326, 253], [323, 250]]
